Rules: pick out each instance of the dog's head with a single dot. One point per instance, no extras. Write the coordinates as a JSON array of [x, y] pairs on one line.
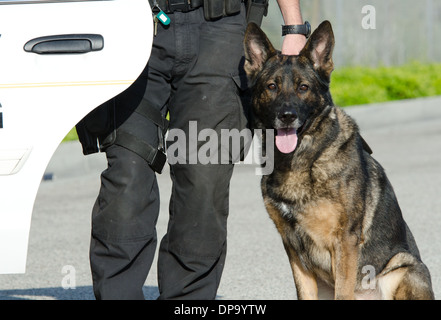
[[289, 91]]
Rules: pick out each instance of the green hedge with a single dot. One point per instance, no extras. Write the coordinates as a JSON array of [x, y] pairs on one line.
[[363, 85], [71, 136]]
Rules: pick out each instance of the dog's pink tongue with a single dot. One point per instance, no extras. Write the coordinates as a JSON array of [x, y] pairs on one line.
[[286, 140]]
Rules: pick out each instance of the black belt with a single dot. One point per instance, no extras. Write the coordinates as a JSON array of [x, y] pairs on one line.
[[170, 6], [256, 9]]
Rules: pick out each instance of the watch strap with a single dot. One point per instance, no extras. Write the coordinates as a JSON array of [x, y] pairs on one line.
[[304, 29]]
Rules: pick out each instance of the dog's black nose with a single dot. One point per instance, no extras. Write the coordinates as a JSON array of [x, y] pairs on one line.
[[288, 116]]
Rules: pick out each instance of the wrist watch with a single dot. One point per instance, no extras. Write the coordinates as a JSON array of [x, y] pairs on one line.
[[304, 29]]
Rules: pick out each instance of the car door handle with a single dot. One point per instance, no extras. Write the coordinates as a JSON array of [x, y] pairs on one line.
[[65, 44]]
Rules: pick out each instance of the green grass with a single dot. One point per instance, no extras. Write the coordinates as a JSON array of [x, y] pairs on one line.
[[71, 136], [363, 85]]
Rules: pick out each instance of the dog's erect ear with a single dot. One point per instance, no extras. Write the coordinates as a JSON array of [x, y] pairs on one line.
[[257, 50], [319, 50]]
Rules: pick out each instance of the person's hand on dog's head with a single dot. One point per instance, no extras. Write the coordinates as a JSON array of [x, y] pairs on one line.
[[293, 44]]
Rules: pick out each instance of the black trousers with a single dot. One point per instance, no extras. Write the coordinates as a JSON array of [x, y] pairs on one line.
[[195, 72]]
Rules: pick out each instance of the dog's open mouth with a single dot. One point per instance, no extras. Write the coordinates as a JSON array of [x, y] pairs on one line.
[[287, 139]]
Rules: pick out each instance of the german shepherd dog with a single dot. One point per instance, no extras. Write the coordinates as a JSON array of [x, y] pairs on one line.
[[331, 202]]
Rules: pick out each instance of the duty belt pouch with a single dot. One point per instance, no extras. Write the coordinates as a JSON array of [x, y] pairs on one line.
[[232, 7], [256, 9], [215, 9], [96, 130]]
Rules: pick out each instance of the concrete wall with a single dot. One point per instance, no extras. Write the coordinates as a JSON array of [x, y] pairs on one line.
[[405, 30]]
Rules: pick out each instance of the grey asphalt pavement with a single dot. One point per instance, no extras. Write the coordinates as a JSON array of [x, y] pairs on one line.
[[405, 137]]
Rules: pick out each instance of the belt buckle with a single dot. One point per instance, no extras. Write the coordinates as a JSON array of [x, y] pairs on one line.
[[179, 5]]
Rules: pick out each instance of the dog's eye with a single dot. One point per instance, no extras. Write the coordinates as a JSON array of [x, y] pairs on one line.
[[272, 86], [303, 88]]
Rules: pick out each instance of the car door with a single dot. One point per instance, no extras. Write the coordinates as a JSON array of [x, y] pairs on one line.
[[58, 61]]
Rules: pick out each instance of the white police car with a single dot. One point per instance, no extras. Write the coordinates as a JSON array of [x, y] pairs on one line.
[[58, 61]]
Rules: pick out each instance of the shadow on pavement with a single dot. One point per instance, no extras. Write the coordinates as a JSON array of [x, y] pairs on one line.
[[58, 293]]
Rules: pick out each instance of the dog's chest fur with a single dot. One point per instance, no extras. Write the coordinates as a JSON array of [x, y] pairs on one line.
[[310, 227]]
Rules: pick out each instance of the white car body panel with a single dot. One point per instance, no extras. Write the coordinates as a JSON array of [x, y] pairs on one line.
[[43, 96]]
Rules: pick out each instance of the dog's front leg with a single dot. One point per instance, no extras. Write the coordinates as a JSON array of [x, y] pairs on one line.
[[345, 267], [305, 281]]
